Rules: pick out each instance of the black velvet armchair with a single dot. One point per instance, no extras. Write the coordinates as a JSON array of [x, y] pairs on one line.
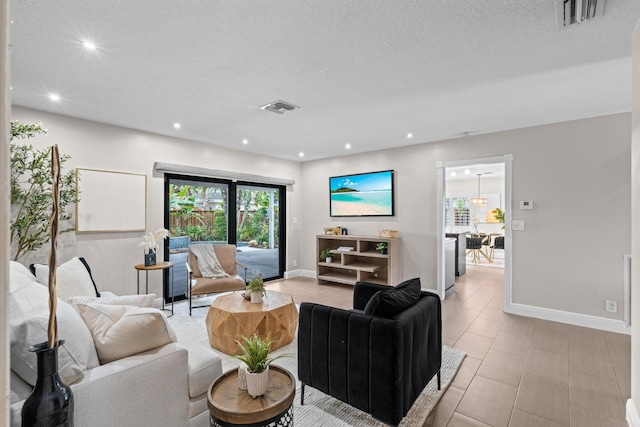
[[380, 362]]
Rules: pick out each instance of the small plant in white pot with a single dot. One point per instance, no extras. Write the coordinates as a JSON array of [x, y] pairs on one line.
[[256, 288], [325, 255], [255, 354]]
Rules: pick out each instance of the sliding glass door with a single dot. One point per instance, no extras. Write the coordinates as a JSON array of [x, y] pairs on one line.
[[199, 210], [258, 230], [219, 211]]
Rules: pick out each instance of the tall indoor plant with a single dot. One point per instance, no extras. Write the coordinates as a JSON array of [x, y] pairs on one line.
[[31, 191], [51, 401]]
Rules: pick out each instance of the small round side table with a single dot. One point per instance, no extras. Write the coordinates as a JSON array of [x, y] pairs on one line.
[[230, 406], [158, 266]]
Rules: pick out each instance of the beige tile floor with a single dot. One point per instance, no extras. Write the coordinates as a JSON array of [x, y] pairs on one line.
[[523, 372]]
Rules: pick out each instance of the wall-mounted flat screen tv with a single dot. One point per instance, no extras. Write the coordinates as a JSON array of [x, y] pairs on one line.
[[363, 194]]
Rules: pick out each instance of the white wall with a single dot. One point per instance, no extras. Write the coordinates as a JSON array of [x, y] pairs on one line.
[[570, 258], [633, 405], [576, 173], [98, 146]]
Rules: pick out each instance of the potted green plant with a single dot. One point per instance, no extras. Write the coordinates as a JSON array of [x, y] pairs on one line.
[[382, 247], [325, 254], [31, 192], [254, 353], [256, 288]]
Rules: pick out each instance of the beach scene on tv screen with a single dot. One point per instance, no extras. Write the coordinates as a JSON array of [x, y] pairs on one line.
[[364, 194]]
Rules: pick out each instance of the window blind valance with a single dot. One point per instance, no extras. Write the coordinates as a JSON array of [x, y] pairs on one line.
[[163, 168]]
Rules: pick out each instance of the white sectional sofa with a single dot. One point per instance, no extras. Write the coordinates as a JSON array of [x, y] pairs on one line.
[[162, 386]]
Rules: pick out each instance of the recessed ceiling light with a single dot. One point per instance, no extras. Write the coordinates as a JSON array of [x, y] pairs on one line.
[[54, 97], [347, 146], [177, 125], [467, 171], [245, 141], [409, 135], [452, 173], [301, 154], [89, 45]]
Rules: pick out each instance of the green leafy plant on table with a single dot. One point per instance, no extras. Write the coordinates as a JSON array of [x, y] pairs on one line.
[[255, 353], [256, 284]]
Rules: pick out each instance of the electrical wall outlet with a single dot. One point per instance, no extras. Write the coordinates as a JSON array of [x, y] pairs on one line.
[[611, 306]]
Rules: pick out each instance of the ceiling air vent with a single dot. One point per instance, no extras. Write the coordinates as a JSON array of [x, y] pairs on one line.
[[569, 12], [279, 107]]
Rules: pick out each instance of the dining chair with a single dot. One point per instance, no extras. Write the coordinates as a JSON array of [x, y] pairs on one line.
[[498, 243], [474, 246]]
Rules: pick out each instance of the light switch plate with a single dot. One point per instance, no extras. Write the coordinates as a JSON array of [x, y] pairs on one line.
[[517, 225]]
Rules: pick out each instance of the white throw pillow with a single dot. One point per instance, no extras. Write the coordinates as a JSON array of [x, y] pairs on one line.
[[134, 300], [29, 320], [72, 279], [120, 330]]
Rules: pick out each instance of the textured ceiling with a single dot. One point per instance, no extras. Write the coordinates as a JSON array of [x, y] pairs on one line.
[[363, 72]]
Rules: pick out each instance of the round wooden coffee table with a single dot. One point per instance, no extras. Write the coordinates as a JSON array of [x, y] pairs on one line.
[[232, 317], [230, 406]]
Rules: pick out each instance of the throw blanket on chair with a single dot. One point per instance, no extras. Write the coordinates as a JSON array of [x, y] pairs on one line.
[[207, 261]]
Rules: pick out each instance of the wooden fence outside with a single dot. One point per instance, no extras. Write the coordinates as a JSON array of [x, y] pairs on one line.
[[200, 219]]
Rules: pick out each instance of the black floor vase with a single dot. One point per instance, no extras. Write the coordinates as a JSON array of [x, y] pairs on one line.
[[51, 402]]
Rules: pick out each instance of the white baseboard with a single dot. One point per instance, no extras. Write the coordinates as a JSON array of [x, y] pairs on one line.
[[633, 419], [577, 319], [291, 273], [300, 273]]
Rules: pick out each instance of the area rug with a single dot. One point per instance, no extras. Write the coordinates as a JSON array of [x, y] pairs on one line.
[[320, 409]]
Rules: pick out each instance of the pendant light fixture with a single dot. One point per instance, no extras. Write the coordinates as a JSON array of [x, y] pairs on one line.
[[479, 200]]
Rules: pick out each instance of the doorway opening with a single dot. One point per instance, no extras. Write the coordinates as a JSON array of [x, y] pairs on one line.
[[474, 197]]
